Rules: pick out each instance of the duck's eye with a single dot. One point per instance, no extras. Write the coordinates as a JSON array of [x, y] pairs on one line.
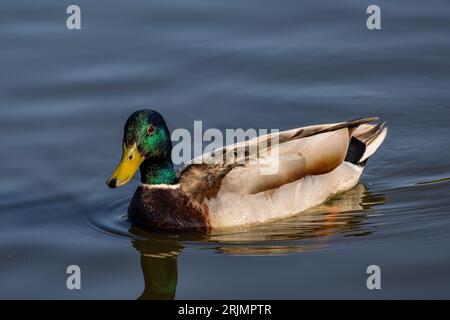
[[130, 157], [150, 129]]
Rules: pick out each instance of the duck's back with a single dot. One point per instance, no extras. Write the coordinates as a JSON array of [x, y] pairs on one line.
[[313, 164]]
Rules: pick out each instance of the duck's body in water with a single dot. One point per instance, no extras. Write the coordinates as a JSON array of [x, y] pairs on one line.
[[314, 163]]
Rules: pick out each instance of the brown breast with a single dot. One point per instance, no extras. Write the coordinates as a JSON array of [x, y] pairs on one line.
[[168, 209]]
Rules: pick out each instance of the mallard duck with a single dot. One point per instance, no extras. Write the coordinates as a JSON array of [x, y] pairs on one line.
[[314, 163]]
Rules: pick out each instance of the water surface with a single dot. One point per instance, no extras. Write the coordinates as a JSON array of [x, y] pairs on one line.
[[64, 96]]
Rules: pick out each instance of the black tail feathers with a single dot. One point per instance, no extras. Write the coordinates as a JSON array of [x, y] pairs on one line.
[[355, 151]]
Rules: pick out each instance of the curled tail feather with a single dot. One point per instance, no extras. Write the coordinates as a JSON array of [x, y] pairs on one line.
[[366, 139]]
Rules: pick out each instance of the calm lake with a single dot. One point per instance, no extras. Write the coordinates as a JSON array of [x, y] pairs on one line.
[[65, 94]]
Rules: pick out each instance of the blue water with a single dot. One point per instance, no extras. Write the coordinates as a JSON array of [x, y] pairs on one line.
[[64, 96]]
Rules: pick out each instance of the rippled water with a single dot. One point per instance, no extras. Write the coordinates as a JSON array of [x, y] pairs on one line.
[[64, 96]]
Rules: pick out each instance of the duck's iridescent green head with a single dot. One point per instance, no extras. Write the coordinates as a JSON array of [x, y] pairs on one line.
[[146, 144]]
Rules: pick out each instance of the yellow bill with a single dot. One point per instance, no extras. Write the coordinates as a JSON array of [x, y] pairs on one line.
[[131, 160]]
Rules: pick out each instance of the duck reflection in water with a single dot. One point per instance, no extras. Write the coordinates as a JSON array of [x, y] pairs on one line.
[[158, 264], [346, 214]]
